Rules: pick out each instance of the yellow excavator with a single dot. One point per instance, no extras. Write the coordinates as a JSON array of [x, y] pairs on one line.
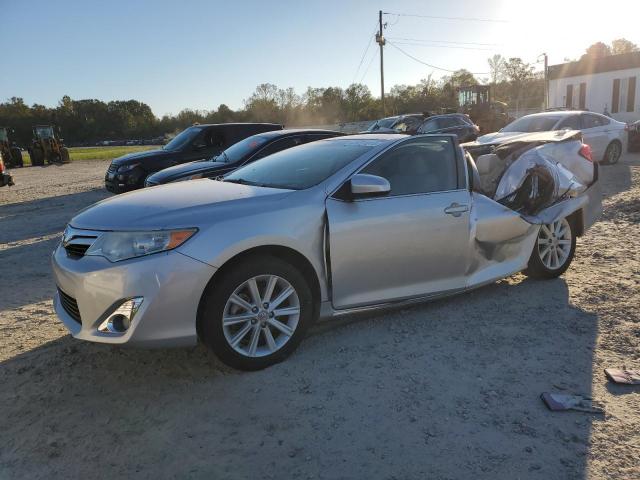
[[476, 101], [47, 147]]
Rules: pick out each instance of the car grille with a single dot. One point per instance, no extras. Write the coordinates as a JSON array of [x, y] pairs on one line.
[[77, 242], [76, 249], [112, 168], [70, 306]]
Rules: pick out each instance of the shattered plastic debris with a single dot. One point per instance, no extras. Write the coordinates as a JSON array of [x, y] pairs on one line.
[[557, 402], [622, 375]]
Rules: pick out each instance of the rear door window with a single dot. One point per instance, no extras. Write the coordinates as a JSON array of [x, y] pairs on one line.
[[429, 126], [278, 146], [572, 122], [590, 120]]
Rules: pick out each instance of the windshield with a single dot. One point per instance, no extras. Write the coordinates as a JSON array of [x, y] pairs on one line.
[[44, 132], [532, 124], [301, 167], [182, 139], [241, 150], [384, 123]]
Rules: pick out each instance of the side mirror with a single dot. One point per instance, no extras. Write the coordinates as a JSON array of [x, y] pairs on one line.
[[365, 185]]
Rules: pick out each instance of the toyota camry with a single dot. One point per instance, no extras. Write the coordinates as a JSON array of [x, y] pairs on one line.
[[249, 262]]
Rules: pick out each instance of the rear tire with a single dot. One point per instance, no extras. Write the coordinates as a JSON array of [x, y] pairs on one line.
[[64, 155], [245, 320], [553, 251], [16, 157], [612, 153], [37, 157]]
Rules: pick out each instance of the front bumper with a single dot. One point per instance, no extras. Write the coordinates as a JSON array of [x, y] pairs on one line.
[[170, 283], [123, 182]]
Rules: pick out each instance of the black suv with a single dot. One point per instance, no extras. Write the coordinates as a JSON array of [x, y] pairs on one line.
[[458, 124], [408, 124], [243, 152], [195, 143]]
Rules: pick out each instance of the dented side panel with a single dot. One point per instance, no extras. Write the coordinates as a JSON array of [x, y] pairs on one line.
[[500, 243]]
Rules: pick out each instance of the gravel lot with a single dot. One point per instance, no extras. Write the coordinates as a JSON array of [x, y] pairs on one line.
[[444, 390]]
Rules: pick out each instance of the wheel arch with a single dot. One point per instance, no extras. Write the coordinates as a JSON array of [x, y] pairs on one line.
[[281, 252]]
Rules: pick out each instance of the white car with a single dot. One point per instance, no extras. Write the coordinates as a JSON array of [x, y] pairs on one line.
[[606, 137]]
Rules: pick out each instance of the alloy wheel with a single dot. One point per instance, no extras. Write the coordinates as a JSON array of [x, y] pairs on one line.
[[261, 315], [613, 153], [554, 244]]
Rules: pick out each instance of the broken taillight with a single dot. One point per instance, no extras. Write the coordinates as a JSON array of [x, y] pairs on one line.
[[585, 152]]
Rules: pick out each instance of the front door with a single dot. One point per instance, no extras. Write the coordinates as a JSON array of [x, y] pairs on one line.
[[411, 243]]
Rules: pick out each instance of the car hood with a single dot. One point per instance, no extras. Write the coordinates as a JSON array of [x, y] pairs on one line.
[[177, 205], [186, 169], [136, 156]]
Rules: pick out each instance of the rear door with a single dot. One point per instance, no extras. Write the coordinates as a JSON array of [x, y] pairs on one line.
[[411, 243], [594, 133]]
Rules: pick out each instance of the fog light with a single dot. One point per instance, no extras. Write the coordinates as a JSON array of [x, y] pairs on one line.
[[120, 320]]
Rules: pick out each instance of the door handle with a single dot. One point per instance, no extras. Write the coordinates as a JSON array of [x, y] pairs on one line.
[[456, 209]]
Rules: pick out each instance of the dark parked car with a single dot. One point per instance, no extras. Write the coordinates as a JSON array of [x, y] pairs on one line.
[[242, 153], [408, 124], [458, 124], [195, 143]]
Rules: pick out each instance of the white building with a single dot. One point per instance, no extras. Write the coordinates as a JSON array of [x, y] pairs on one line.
[[605, 84]]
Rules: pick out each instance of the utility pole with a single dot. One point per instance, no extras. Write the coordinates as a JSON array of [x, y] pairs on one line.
[[381, 41], [546, 83]]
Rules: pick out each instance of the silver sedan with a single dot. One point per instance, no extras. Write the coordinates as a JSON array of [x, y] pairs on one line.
[[248, 263]]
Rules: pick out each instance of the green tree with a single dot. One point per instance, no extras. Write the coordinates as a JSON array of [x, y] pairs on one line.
[[598, 49], [622, 45]]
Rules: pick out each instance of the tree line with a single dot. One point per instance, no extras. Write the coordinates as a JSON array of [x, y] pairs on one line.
[[513, 81]]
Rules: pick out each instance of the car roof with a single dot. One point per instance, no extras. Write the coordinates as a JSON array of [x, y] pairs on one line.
[[199, 125], [560, 113], [380, 137], [404, 115], [296, 131], [439, 115]]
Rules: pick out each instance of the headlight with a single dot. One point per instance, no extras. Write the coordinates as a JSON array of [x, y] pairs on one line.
[[116, 246], [127, 168], [195, 176]]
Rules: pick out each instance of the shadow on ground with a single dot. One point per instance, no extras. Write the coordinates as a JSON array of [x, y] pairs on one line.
[[444, 390]]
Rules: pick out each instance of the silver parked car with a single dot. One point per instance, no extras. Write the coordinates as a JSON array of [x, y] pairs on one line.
[[606, 137], [248, 263]]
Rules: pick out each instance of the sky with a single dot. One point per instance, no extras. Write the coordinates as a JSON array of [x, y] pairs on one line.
[[199, 54]]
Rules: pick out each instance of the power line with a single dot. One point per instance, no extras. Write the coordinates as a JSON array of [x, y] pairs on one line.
[[443, 46], [464, 19], [428, 64], [365, 52], [368, 66], [445, 41]]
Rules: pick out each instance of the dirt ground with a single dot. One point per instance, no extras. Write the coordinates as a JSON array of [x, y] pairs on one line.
[[446, 390]]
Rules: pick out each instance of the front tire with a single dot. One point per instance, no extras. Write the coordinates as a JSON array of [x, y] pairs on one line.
[[612, 153], [16, 155], [553, 252], [257, 313]]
